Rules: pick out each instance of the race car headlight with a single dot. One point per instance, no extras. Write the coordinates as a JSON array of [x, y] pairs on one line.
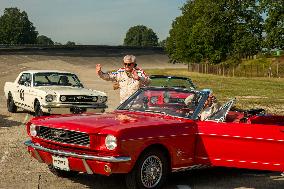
[[110, 142], [94, 98], [33, 130], [63, 98], [49, 98], [104, 99]]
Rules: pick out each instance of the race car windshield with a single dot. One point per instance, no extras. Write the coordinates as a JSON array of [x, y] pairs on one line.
[[174, 102], [171, 81], [56, 79]]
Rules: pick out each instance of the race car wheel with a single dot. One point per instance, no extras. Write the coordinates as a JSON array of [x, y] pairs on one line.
[[149, 172], [38, 110], [61, 173], [11, 104]]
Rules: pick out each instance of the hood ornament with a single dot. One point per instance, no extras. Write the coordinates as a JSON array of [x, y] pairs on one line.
[[59, 134]]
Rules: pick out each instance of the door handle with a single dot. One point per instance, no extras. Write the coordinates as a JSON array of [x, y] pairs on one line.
[[282, 130]]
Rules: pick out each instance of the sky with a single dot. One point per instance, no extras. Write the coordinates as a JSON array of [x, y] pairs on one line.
[[97, 22]]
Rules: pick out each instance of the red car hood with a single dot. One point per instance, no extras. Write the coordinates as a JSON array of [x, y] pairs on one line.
[[115, 121]]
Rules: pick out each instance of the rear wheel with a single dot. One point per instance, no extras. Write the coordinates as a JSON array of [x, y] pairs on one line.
[[11, 104], [38, 110], [149, 172], [61, 173]]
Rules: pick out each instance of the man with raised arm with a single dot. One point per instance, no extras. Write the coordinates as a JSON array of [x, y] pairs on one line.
[[129, 78]]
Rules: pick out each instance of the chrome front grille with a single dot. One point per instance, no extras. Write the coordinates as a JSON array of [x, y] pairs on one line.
[[77, 98], [64, 136]]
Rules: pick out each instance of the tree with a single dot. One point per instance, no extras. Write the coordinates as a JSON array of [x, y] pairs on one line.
[[215, 31], [141, 36], [15, 28], [162, 43], [70, 43], [43, 40], [274, 23]]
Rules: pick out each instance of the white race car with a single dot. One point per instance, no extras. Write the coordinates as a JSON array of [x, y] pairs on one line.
[[51, 91]]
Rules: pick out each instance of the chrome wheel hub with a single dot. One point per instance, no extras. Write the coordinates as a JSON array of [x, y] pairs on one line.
[[151, 171]]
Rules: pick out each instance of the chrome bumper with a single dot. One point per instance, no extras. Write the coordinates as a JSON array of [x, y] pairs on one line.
[[55, 108], [75, 105], [81, 156]]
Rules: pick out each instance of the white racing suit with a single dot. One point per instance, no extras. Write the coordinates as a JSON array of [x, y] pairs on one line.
[[127, 84]]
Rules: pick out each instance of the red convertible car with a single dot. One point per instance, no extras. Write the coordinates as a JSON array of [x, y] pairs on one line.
[[154, 133]]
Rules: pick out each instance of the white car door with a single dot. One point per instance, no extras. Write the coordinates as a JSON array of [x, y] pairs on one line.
[[24, 97]]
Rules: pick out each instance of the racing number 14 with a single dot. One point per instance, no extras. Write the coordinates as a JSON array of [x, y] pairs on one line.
[[22, 92]]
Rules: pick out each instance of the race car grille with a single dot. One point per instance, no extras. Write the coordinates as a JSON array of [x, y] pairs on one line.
[[64, 136], [76, 98]]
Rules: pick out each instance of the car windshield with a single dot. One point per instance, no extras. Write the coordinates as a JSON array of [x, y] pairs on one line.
[[170, 101], [171, 81], [56, 79]]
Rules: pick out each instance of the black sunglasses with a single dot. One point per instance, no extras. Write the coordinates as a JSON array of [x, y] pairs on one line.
[[128, 64]]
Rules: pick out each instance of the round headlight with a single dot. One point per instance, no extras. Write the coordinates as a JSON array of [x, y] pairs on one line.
[[33, 131], [63, 98], [111, 142], [104, 99], [49, 98], [94, 98]]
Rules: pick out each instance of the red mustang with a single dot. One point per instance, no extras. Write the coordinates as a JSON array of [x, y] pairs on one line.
[[155, 132]]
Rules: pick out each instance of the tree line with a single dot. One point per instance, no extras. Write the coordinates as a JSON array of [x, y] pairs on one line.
[[215, 31], [16, 29]]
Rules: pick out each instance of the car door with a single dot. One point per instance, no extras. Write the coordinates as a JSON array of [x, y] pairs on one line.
[[24, 97], [242, 145]]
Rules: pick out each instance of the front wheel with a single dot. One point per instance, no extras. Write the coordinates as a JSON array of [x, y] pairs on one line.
[[11, 104], [149, 172]]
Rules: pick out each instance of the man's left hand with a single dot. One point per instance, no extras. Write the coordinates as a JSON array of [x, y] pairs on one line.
[[135, 75]]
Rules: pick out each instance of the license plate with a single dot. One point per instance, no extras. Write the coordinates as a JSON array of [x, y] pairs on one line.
[[60, 163]]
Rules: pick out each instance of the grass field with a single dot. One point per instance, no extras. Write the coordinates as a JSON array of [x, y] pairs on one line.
[[267, 93]]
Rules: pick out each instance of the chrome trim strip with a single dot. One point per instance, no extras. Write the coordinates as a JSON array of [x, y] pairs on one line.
[[90, 157], [239, 137], [198, 166], [87, 167], [145, 138]]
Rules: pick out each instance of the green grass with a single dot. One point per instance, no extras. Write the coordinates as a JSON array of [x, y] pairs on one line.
[[267, 93]]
